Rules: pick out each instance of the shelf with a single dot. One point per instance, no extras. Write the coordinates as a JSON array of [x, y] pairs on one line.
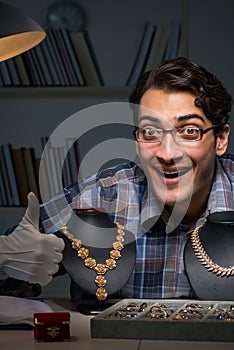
[[65, 92], [12, 208]]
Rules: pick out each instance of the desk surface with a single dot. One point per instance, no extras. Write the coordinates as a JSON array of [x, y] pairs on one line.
[[81, 339]]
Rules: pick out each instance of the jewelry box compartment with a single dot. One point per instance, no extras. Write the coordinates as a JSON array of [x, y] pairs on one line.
[[166, 319]]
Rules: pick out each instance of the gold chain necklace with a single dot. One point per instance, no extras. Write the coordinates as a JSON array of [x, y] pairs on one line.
[[205, 259], [91, 263]]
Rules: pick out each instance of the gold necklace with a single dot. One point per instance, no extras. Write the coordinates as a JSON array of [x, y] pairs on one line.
[[91, 263], [205, 259]]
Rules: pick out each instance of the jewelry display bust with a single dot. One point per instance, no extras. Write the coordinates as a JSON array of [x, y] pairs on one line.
[[209, 258], [99, 255]]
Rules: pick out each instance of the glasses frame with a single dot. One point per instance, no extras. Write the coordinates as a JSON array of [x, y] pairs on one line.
[[173, 131]]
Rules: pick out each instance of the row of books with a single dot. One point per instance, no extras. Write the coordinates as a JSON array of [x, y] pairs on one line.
[[67, 58], [63, 58], [157, 44], [19, 171], [60, 163], [18, 175]]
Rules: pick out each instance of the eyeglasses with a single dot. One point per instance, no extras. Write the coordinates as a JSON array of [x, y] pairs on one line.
[[186, 134]]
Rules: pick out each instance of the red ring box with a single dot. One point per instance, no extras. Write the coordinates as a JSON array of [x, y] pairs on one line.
[[52, 326]]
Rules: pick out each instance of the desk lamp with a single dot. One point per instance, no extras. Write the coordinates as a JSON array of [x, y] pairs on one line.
[[18, 32]]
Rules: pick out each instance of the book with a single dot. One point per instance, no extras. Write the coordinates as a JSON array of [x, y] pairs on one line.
[[21, 70], [42, 180], [62, 170], [53, 69], [29, 163], [38, 67], [43, 65], [57, 58], [7, 155], [72, 56], [21, 175], [13, 72], [45, 180], [1, 81], [89, 66], [66, 174], [142, 54], [73, 81], [50, 167], [73, 158], [158, 47], [173, 41], [5, 74], [5, 179], [3, 194], [31, 68], [53, 170]]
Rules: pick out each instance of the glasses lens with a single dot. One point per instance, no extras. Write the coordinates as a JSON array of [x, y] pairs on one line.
[[149, 135], [188, 134]]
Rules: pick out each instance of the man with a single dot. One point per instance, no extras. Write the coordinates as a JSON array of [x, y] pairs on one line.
[[181, 115]]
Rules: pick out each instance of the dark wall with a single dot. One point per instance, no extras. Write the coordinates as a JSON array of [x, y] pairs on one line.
[[115, 29]]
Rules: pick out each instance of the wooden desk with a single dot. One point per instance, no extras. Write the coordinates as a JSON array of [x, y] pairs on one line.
[[81, 339]]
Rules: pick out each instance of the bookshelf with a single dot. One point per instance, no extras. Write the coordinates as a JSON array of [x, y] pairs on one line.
[[95, 91], [89, 92]]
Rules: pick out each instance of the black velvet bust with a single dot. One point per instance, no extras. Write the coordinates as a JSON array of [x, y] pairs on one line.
[[217, 238], [97, 233]]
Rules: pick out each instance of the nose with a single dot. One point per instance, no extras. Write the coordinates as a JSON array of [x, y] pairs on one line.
[[169, 150]]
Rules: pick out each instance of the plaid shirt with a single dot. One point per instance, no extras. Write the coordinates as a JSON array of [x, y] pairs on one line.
[[123, 192]]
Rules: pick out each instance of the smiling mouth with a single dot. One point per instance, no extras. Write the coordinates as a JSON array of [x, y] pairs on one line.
[[172, 174]]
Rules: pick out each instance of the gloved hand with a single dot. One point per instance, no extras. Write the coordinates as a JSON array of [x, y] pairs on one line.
[[27, 254]]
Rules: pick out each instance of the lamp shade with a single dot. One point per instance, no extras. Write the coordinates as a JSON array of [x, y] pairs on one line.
[[18, 32]]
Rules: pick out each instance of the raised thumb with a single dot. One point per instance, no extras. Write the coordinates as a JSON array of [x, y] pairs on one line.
[[33, 211]]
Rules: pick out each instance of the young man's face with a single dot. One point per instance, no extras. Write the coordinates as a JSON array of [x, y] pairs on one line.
[[178, 171]]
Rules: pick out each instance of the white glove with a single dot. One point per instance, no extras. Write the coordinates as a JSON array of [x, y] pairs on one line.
[[27, 254]]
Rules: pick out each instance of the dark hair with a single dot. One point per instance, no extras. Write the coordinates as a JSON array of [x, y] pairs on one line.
[[181, 74]]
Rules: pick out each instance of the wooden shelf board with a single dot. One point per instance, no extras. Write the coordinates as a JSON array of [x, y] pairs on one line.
[[65, 92]]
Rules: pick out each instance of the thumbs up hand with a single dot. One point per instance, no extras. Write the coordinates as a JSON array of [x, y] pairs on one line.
[[27, 254]]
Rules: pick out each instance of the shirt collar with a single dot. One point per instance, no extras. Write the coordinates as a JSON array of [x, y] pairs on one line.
[[221, 198]]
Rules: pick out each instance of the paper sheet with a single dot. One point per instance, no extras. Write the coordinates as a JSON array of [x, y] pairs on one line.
[[15, 310]]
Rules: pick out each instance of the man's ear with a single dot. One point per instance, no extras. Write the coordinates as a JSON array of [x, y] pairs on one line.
[[222, 140]]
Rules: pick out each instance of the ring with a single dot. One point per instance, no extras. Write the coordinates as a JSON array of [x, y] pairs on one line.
[[157, 312]]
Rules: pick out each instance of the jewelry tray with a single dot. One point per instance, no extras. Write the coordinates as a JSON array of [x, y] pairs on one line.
[[166, 319]]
